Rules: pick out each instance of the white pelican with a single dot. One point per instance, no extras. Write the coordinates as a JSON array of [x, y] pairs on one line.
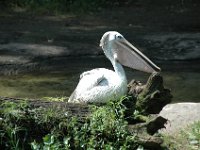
[[102, 85]]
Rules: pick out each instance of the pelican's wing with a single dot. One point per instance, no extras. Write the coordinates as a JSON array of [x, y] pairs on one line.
[[88, 80], [91, 73], [130, 56]]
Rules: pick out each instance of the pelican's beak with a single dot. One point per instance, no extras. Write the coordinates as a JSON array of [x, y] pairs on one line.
[[130, 56]]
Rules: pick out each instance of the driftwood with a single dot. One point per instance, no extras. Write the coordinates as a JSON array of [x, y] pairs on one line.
[[148, 99], [152, 97]]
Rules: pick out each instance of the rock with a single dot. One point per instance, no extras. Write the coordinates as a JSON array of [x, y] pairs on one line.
[[180, 115]]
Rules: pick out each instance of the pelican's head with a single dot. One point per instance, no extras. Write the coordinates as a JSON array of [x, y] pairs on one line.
[[107, 41], [109, 37], [117, 48]]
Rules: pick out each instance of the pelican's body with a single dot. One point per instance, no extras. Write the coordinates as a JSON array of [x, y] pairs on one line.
[[101, 85]]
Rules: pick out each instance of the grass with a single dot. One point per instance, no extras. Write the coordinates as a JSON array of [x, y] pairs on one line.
[[186, 139]]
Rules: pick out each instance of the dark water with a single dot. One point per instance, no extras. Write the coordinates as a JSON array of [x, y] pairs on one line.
[[182, 77]]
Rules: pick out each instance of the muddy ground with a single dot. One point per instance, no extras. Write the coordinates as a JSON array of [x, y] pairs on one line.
[[164, 31]]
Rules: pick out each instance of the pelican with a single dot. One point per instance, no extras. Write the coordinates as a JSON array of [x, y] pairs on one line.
[[101, 85]]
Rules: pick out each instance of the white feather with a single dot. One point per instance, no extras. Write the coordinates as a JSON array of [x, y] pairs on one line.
[[99, 85]]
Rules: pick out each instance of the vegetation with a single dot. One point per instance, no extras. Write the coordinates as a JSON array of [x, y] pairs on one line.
[[57, 99], [105, 128]]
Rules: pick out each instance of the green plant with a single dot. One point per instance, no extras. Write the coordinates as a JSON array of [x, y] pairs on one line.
[[9, 130], [13, 137], [47, 128], [49, 143], [193, 136], [105, 128]]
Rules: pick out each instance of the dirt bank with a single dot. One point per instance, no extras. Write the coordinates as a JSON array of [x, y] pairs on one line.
[[165, 31]]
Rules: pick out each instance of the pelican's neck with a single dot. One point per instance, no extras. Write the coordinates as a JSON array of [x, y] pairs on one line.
[[119, 70]]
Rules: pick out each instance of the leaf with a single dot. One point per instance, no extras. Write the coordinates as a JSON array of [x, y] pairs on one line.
[[35, 146], [48, 139], [66, 141]]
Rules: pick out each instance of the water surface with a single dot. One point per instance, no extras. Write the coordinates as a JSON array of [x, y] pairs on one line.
[[182, 77]]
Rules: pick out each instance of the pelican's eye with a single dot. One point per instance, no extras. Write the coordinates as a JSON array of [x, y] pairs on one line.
[[118, 36]]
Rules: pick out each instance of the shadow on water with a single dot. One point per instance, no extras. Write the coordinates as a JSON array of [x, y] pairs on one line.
[[182, 77]]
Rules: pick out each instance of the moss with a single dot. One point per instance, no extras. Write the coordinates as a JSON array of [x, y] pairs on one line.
[[57, 99]]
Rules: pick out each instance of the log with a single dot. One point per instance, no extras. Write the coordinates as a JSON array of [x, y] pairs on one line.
[[74, 109]]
